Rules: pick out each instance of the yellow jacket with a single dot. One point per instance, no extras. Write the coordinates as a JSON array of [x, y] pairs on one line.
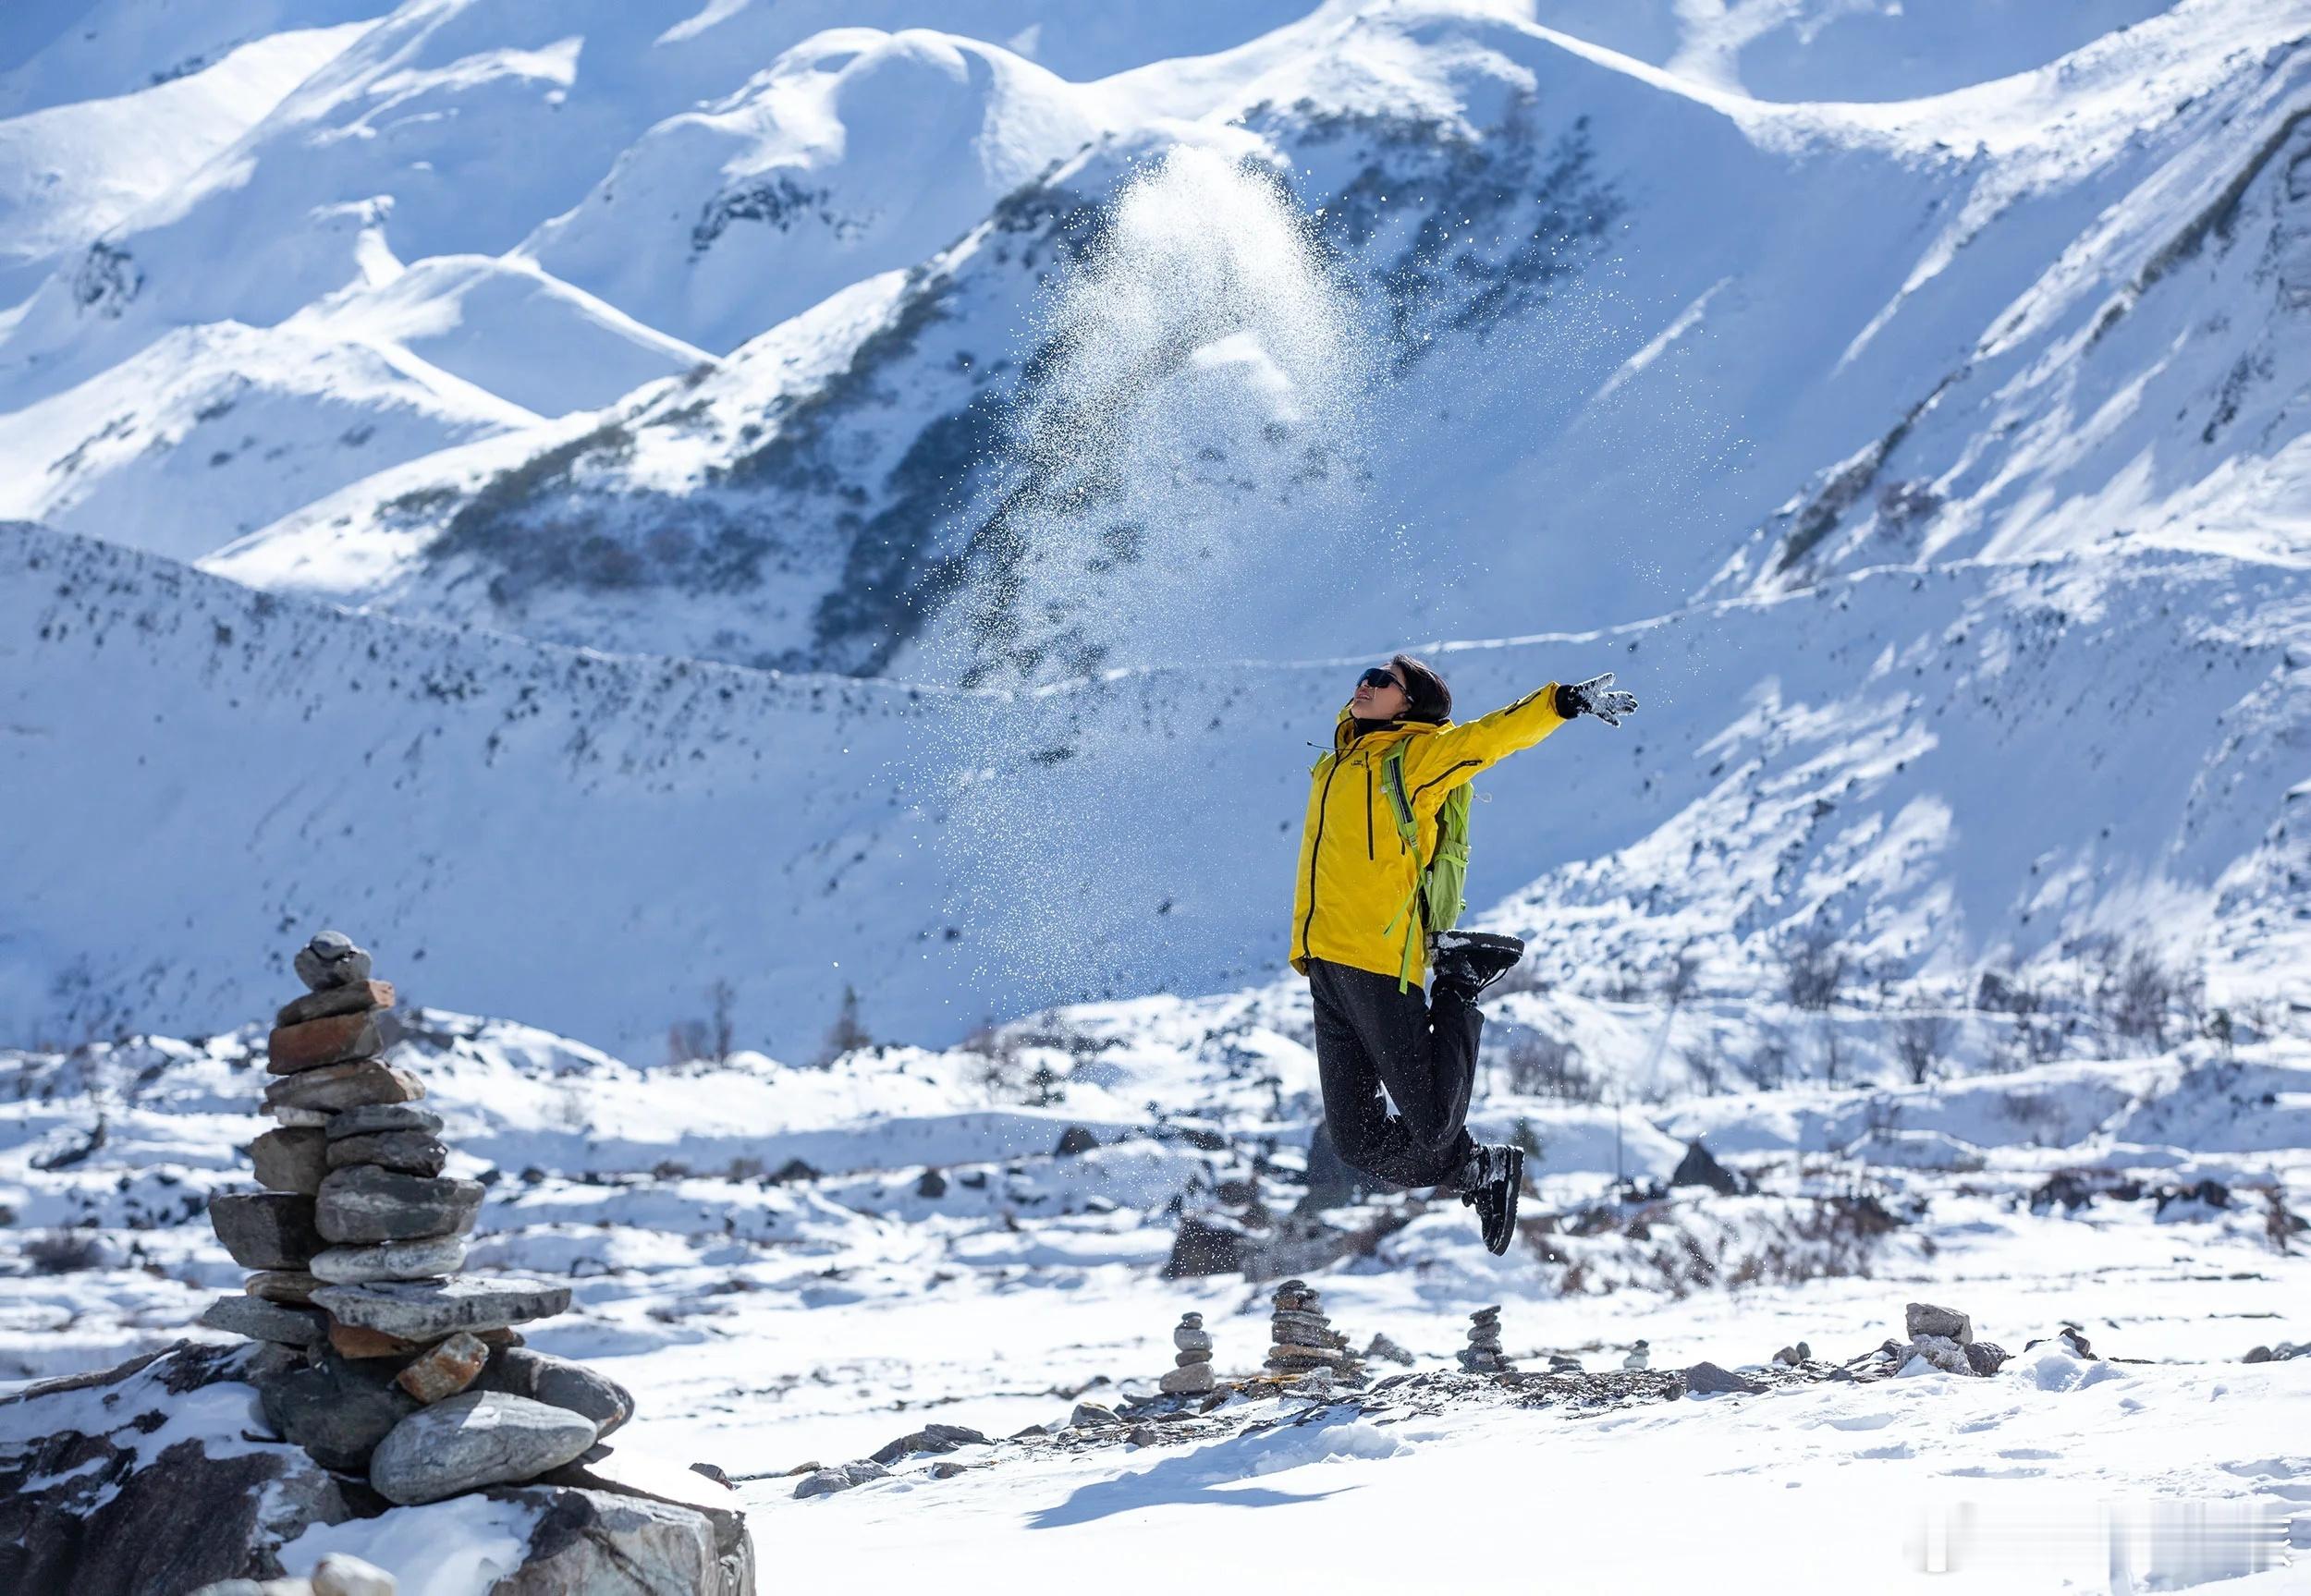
[[1355, 871]]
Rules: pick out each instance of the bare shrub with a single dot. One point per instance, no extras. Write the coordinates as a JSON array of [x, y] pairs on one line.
[[1813, 965], [1921, 1039], [64, 1251], [705, 1041], [846, 1035], [1768, 1065], [1703, 1066], [1540, 1065], [1681, 978]]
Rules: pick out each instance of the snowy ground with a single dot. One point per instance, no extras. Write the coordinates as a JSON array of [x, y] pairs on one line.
[[765, 1323]]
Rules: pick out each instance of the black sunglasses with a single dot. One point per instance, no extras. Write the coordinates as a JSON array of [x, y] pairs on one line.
[[1377, 677]]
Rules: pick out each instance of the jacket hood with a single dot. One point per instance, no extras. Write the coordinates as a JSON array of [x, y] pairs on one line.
[[1344, 728]]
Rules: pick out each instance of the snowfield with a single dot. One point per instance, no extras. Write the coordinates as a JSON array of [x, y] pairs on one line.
[[776, 562], [768, 1316]]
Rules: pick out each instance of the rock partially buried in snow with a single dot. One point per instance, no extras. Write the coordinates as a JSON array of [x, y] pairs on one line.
[[424, 1311], [1939, 1351], [821, 1482], [365, 1203], [1923, 1319], [341, 1574], [1708, 1379], [427, 1259], [481, 1438]]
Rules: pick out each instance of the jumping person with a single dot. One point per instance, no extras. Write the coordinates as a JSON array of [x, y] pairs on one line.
[[1382, 855]]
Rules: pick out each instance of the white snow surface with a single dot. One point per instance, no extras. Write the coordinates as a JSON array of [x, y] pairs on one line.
[[766, 1317]]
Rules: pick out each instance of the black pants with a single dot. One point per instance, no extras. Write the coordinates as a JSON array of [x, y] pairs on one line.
[[1370, 1035]]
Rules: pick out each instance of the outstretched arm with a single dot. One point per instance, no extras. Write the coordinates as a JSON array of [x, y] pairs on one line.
[[1458, 753]]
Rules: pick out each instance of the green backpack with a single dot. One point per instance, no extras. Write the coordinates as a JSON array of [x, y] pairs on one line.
[[1435, 896]]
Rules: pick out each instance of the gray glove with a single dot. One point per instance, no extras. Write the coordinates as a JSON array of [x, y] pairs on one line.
[[1594, 697]]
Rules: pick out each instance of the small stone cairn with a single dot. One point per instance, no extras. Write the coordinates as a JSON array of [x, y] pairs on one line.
[[1191, 1372], [1483, 1353], [385, 1360], [1302, 1341]]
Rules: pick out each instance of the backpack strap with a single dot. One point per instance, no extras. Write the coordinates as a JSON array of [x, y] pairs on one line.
[[1401, 808]]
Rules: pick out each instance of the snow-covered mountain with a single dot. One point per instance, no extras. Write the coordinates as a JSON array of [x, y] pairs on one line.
[[1060, 403]]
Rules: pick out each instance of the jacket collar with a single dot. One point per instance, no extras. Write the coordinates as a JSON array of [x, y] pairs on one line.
[[1344, 734]]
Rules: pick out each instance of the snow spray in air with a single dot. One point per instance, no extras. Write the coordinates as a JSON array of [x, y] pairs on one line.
[[1183, 446]]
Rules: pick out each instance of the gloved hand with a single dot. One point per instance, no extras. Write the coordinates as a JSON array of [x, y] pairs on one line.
[[1594, 696]]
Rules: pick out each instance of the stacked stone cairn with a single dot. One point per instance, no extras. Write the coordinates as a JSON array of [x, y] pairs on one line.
[[389, 1362], [1191, 1372], [1483, 1353], [1304, 1342]]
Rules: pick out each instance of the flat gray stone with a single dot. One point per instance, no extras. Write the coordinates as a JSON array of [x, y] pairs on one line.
[[344, 1085], [479, 1438], [373, 1117], [822, 1483], [429, 1259], [294, 1158], [367, 1204], [263, 1321], [1923, 1319], [403, 1151], [290, 1285], [420, 1311], [1189, 1380], [559, 1382], [1708, 1379], [266, 1229]]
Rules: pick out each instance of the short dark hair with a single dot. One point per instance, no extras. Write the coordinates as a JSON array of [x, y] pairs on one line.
[[1430, 699]]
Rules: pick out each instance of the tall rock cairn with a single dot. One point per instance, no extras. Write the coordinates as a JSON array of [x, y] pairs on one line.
[[1191, 1372], [1302, 1340], [1483, 1353], [388, 1362]]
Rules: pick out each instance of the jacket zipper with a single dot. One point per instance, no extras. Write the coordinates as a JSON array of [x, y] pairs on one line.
[[1368, 853], [1314, 848]]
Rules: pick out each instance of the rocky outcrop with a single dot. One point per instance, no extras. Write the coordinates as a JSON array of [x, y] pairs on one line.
[[138, 1482]]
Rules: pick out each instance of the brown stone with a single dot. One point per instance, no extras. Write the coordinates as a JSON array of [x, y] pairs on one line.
[[290, 1285], [358, 998], [294, 1158], [446, 1368], [341, 1086], [336, 1039], [353, 1341]]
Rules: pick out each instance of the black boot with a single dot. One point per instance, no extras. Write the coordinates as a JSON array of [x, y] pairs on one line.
[[1469, 961], [1490, 1182]]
